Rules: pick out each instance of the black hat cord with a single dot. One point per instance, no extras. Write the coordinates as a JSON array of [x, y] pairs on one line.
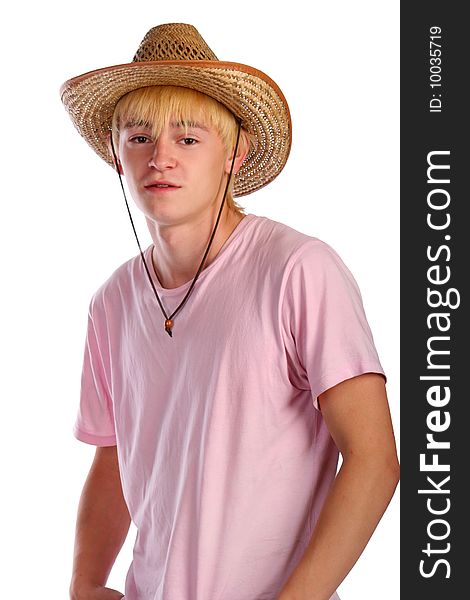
[[169, 319]]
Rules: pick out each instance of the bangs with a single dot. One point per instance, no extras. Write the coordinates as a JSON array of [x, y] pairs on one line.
[[159, 106]]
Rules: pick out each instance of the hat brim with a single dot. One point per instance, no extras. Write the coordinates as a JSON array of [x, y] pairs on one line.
[[250, 94]]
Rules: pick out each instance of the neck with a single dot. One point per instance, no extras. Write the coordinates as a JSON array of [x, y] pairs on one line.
[[178, 250]]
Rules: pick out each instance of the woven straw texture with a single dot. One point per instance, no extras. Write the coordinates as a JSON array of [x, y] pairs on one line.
[[175, 54]]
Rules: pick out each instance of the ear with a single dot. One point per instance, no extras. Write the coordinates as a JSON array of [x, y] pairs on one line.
[[243, 149], [117, 167]]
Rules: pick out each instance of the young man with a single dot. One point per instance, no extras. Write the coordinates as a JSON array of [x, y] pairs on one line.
[[228, 363]]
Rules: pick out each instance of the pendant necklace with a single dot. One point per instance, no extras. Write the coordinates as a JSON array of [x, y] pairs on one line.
[[169, 318]]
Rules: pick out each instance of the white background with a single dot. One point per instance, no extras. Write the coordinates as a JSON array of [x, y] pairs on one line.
[[64, 229]]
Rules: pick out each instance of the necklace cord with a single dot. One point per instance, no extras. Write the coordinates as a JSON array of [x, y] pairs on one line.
[[133, 227], [169, 319], [183, 302]]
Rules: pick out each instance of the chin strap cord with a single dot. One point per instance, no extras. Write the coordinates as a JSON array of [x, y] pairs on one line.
[[169, 319]]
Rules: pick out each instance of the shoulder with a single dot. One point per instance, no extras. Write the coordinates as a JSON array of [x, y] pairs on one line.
[[119, 285], [277, 239], [292, 249], [273, 233]]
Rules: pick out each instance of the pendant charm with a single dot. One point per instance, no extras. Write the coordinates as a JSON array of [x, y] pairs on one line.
[[169, 327]]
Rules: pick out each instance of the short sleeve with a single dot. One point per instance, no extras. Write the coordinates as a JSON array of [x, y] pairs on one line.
[[329, 336], [95, 419]]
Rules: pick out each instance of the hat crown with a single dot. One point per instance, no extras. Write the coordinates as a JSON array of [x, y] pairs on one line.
[[173, 41]]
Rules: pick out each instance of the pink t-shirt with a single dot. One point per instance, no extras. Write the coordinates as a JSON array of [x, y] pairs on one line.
[[224, 456]]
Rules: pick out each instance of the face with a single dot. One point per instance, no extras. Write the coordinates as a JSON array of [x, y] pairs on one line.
[[179, 177]]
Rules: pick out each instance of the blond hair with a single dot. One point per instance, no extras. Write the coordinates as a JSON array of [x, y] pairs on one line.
[[160, 105]]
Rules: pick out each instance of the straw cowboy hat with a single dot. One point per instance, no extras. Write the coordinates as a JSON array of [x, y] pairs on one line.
[[175, 54]]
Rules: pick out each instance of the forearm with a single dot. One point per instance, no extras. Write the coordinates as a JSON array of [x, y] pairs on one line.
[[354, 506], [102, 525]]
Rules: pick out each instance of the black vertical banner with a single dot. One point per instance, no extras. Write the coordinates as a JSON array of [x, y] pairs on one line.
[[435, 268]]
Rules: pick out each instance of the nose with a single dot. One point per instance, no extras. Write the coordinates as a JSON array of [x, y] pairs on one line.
[[162, 157]]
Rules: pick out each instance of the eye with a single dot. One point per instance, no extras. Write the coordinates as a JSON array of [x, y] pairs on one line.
[[188, 141], [140, 139]]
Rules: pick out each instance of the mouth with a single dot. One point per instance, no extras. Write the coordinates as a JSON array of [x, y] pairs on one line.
[[162, 185]]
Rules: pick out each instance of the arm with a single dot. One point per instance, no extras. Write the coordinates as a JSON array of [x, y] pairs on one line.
[[102, 525], [358, 418]]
